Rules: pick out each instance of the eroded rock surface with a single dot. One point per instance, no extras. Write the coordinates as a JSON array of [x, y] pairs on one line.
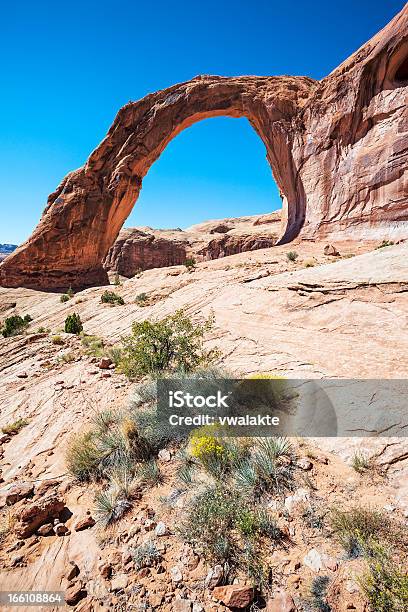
[[337, 149], [144, 248]]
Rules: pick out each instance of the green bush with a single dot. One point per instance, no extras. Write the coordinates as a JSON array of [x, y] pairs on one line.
[[358, 527], [93, 345], [64, 298], [13, 428], [225, 528], [15, 325], [173, 343], [190, 263], [385, 585], [110, 297], [141, 299], [385, 243], [292, 255], [73, 324], [70, 292]]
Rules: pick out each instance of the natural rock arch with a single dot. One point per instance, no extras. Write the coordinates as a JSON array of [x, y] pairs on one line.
[[337, 150]]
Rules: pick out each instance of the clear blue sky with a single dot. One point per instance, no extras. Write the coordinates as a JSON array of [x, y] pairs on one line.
[[67, 67]]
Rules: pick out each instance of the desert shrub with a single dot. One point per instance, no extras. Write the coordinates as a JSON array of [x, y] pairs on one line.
[[224, 528], [110, 297], [13, 428], [64, 298], [292, 256], [68, 357], [15, 325], [173, 343], [262, 471], [357, 528], [309, 263], [360, 462], [110, 506], [93, 345], [318, 592], [83, 456], [385, 585], [185, 474], [116, 280], [385, 243], [58, 340], [190, 263], [149, 474], [141, 299], [70, 293], [73, 324], [145, 555]]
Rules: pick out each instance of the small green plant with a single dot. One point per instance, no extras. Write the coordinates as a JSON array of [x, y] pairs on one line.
[[15, 325], [12, 429], [190, 263], [84, 455], [58, 340], [358, 527], [149, 474], [385, 243], [385, 585], [70, 292], [318, 592], [68, 357], [94, 345], [145, 555], [141, 299], [173, 343], [64, 298], [73, 324], [116, 280], [110, 297], [360, 462], [292, 256], [110, 506]]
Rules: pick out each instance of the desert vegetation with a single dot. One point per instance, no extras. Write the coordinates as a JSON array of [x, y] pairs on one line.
[[15, 325], [110, 297]]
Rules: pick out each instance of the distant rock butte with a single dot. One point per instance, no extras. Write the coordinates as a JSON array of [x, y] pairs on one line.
[[337, 149], [143, 248]]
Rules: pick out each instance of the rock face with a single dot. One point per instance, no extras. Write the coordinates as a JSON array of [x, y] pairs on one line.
[[144, 248], [337, 149]]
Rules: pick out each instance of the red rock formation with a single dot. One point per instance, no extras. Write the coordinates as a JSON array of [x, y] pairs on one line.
[[135, 250], [337, 149], [143, 248]]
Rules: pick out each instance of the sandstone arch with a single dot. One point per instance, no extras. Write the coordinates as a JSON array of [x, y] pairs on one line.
[[337, 149]]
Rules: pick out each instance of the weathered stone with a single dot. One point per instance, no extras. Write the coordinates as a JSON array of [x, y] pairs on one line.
[[72, 571], [343, 593], [214, 576], [234, 595], [105, 570], [176, 574], [46, 529], [182, 605], [329, 249], [281, 602], [161, 529], [337, 148], [119, 582], [104, 363], [304, 464], [37, 513], [18, 491], [75, 593], [60, 529], [84, 523]]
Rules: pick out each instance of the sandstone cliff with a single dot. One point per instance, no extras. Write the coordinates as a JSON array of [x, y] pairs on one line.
[[144, 248]]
